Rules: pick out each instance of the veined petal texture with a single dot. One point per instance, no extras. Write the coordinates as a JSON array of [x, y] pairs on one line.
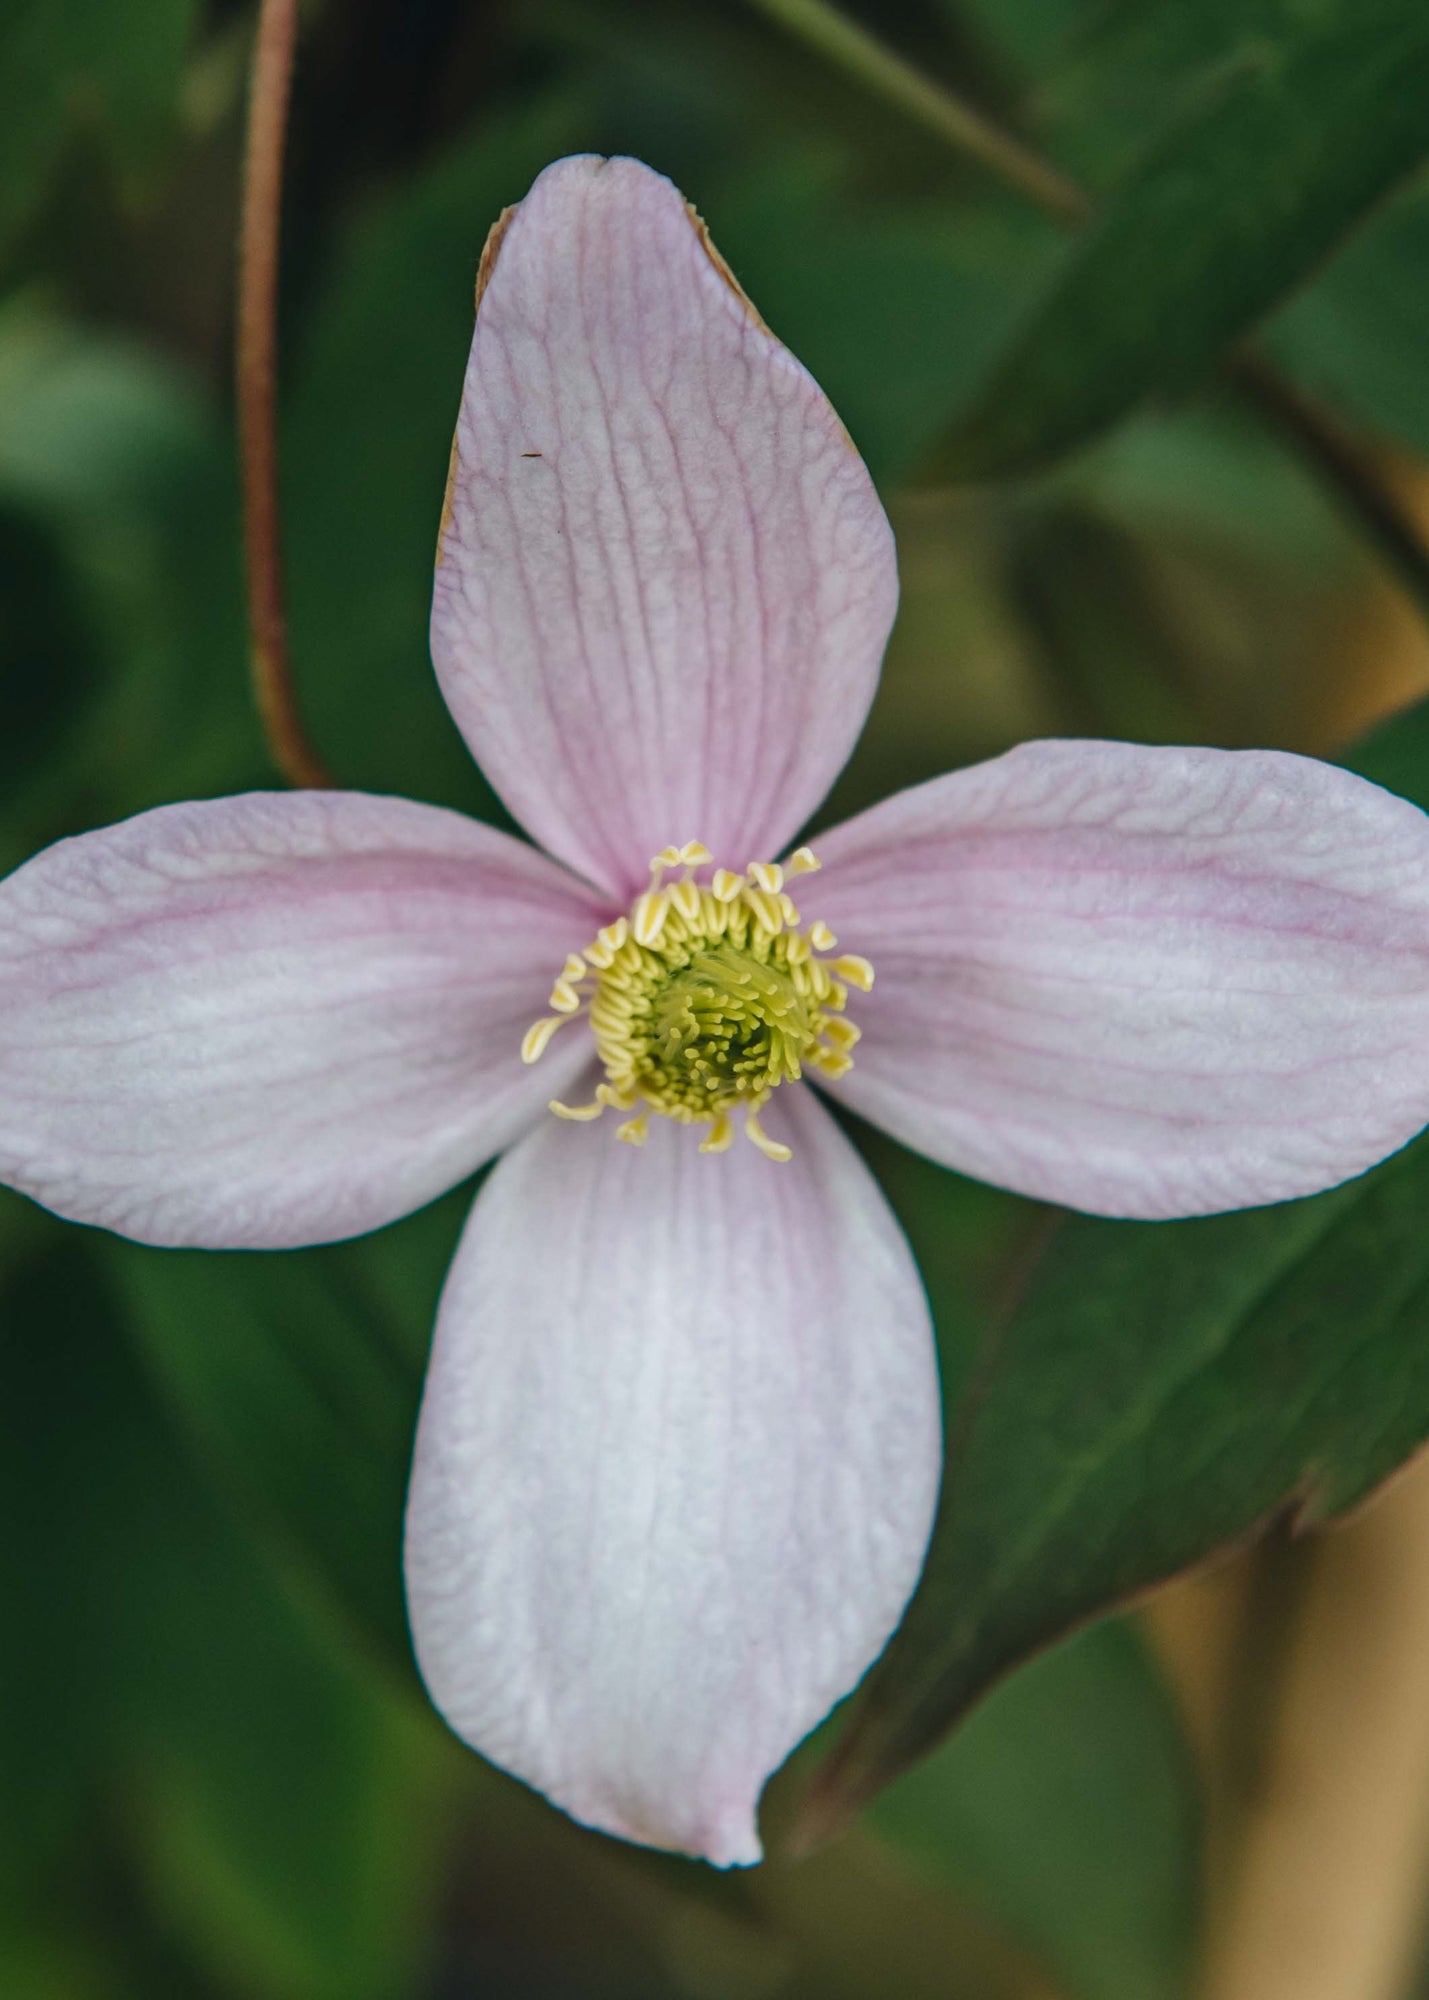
[[275, 1019], [1141, 982], [676, 1467], [664, 579]]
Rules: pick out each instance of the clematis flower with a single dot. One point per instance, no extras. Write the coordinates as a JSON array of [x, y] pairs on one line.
[[679, 1445]]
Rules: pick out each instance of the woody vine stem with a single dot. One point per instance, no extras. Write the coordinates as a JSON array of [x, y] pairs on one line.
[[257, 395]]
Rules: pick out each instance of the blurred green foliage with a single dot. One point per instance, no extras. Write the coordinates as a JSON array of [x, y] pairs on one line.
[[218, 1776]]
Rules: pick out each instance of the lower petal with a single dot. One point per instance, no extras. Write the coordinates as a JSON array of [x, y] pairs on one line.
[[276, 1019], [1141, 982], [676, 1468]]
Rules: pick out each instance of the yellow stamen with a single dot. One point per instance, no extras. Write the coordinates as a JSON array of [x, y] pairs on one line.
[[705, 999], [537, 1038], [771, 1148], [857, 971], [766, 908], [649, 915]]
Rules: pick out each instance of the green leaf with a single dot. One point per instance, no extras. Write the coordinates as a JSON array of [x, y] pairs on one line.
[[1360, 334], [1067, 1805], [297, 1377], [1236, 204], [279, 1803], [47, 646], [1160, 1391], [63, 60]]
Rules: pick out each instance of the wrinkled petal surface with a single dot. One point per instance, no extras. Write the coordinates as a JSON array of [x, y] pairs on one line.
[[276, 1019], [1142, 982], [676, 1467], [664, 579]]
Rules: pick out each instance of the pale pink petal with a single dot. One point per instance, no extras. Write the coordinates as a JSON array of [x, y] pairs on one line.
[[664, 579], [1143, 982], [676, 1467], [275, 1019]]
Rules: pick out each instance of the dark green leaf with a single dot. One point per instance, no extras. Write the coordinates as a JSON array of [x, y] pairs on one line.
[[1234, 206], [61, 60], [1360, 334], [46, 644], [1160, 1391], [1067, 1805], [297, 1376]]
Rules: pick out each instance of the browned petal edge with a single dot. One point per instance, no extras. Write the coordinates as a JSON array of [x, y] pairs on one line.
[[483, 278], [752, 312], [701, 229]]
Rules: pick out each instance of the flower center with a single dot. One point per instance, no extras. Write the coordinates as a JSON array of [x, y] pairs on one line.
[[706, 998]]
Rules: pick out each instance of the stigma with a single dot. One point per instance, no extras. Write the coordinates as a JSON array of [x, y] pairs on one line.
[[707, 997]]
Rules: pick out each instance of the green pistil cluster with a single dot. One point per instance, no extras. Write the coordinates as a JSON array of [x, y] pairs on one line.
[[717, 1025]]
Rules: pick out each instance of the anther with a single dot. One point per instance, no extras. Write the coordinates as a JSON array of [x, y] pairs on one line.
[[695, 854], [579, 1114], [803, 861], [766, 875], [614, 935], [771, 1148], [821, 937], [635, 1131], [564, 998], [766, 909], [721, 1136], [843, 1034], [650, 911], [725, 886], [857, 971], [536, 1039]]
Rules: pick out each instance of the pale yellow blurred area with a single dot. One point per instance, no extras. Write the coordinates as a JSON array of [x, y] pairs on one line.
[[1303, 1668]]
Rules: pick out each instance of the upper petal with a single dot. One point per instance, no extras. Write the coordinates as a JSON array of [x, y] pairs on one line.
[[664, 580], [676, 1467], [276, 1019], [1143, 982]]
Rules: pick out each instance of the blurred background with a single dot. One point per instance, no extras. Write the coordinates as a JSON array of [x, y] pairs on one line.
[[219, 1779]]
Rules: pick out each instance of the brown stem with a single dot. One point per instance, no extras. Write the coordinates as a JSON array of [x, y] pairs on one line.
[[273, 691]]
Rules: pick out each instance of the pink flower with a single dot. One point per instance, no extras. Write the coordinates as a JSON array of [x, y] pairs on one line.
[[679, 1448]]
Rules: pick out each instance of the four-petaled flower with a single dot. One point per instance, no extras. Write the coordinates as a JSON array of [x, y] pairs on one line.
[[679, 1445]]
